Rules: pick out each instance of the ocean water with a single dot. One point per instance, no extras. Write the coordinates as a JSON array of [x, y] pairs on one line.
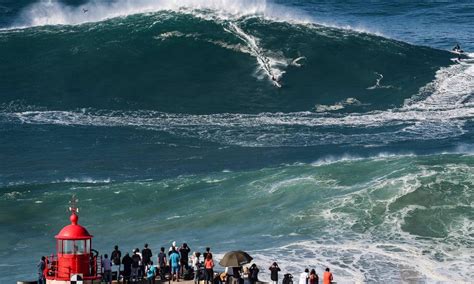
[[163, 118]]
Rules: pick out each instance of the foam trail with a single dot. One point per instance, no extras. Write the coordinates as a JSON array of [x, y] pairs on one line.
[[267, 64]]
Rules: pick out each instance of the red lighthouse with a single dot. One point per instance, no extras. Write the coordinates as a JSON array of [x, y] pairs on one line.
[[73, 259]]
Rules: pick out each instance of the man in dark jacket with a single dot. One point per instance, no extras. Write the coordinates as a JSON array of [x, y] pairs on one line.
[[274, 272], [162, 262], [146, 255], [115, 256], [127, 267], [253, 270], [184, 257], [136, 261]]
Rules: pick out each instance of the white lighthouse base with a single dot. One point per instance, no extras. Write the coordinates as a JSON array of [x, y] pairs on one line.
[[48, 281]]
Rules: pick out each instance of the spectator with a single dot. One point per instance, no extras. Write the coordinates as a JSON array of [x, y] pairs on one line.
[[115, 256], [313, 277], [174, 259], [146, 255], [236, 272], [304, 277], [209, 266], [127, 267], [196, 266], [274, 272], [106, 269], [327, 276], [162, 262], [253, 270], [184, 256], [136, 261], [141, 267], [41, 268]]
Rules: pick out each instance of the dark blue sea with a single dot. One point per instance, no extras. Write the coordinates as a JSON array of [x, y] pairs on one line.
[[312, 133]]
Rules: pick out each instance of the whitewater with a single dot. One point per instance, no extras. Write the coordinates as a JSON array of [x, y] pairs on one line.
[[328, 134]]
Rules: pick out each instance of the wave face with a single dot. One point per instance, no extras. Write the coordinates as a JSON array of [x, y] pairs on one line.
[[181, 62], [202, 114]]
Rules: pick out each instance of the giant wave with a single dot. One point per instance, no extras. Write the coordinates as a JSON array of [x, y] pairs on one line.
[[162, 61]]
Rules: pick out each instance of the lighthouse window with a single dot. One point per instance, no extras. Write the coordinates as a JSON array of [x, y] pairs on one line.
[[79, 247], [88, 246], [68, 247]]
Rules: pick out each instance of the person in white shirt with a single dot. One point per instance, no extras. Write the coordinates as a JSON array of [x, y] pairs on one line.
[[196, 266], [304, 277]]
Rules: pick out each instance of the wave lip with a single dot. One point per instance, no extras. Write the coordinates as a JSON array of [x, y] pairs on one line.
[[48, 12]]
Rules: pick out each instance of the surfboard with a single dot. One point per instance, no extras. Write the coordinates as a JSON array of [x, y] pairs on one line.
[[458, 51]]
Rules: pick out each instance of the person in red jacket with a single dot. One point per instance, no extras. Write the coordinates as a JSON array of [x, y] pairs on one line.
[[327, 277]]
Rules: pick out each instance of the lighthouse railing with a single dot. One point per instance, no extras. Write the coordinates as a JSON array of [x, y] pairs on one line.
[[52, 266], [56, 271]]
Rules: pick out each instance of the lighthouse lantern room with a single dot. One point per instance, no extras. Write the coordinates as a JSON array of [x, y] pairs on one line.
[[74, 256]]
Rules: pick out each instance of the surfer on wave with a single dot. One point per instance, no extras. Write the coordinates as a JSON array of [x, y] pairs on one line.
[[457, 49]]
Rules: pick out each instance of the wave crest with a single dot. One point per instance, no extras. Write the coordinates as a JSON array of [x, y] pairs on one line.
[[48, 12]]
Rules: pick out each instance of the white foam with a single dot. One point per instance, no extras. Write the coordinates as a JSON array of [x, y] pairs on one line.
[[384, 251], [339, 105], [47, 12], [52, 12], [85, 180]]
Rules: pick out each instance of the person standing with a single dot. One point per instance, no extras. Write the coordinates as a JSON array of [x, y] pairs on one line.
[[209, 266], [146, 254], [162, 262], [127, 267], [327, 276], [174, 259], [196, 266], [274, 272], [146, 259], [253, 270], [313, 277], [136, 261], [184, 256], [304, 277], [106, 269], [41, 267], [115, 256]]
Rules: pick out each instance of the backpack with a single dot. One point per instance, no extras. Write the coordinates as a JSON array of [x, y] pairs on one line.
[[115, 258], [188, 274], [288, 279]]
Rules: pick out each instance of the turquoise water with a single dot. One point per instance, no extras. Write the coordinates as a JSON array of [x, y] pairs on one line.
[[164, 120]]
